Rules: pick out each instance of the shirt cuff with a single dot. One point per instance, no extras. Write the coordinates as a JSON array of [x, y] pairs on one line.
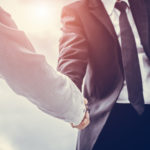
[[79, 116], [78, 108]]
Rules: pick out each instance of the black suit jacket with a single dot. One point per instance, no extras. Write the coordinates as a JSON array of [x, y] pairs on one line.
[[89, 50]]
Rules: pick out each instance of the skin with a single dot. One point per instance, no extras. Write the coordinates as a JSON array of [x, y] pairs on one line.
[[86, 120]]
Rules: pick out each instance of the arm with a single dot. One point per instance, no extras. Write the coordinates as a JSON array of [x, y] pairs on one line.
[[5, 18], [73, 56], [28, 74]]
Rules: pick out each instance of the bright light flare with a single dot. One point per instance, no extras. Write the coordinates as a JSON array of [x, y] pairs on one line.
[[40, 12], [39, 16]]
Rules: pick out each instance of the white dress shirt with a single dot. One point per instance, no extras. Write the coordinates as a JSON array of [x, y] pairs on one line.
[[28, 74], [143, 59]]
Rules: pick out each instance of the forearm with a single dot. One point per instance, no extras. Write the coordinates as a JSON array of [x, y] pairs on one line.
[[49, 90], [66, 102], [28, 74]]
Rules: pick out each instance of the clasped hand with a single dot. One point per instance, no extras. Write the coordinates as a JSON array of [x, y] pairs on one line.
[[86, 120]]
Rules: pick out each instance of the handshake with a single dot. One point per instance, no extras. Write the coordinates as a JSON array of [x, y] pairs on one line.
[[86, 120], [29, 75]]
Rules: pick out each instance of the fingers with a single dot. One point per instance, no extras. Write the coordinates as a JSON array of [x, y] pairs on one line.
[[85, 122], [85, 101]]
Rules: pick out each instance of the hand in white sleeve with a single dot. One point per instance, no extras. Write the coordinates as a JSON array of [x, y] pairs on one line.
[[28, 74]]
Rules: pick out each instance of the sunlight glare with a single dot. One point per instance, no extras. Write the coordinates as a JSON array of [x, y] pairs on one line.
[[39, 16], [41, 12]]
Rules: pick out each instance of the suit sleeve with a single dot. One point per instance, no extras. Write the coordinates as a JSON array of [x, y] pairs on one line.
[[29, 75], [73, 49]]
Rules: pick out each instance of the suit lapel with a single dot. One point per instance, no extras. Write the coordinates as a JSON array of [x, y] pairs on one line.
[[140, 16], [97, 9]]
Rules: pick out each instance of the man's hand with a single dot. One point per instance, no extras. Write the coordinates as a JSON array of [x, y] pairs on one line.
[[86, 120]]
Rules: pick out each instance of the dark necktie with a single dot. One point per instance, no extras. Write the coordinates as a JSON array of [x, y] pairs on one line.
[[130, 60]]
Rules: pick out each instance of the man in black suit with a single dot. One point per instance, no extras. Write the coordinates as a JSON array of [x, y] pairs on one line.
[[107, 43]]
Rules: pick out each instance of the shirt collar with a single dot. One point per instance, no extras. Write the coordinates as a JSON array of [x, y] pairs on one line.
[[110, 4]]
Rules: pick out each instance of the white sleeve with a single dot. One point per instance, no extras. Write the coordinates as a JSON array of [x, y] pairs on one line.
[[28, 74]]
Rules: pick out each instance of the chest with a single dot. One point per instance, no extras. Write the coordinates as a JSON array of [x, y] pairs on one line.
[[103, 33]]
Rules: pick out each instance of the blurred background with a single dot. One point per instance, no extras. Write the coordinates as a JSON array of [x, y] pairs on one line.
[[22, 125]]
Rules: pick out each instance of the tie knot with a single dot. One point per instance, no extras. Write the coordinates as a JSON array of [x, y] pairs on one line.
[[121, 6]]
